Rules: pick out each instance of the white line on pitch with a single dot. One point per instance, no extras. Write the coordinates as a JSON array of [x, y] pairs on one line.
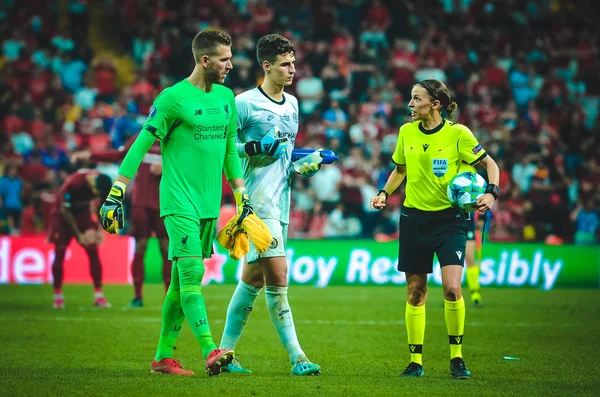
[[302, 322]]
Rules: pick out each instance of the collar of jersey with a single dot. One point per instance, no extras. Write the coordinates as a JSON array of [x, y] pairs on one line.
[[433, 131], [271, 99]]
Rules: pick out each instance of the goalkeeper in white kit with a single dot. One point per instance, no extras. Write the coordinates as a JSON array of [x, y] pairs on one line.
[[268, 124]]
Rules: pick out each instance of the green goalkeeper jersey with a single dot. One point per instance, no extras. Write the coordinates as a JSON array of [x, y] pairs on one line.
[[197, 133]]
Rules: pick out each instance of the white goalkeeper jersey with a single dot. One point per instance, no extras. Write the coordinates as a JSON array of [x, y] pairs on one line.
[[268, 181]]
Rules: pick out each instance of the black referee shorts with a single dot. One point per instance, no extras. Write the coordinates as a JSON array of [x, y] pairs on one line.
[[424, 233], [470, 226]]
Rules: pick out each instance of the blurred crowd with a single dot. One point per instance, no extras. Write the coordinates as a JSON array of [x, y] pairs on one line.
[[524, 73]]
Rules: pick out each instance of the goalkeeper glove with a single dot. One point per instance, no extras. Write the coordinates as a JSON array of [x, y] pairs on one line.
[[269, 145], [309, 165], [242, 201], [112, 217]]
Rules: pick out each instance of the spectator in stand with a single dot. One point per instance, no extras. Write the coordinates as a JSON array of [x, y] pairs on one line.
[[72, 72], [11, 205], [527, 96], [54, 157], [317, 221], [587, 223], [105, 74], [336, 120], [310, 92], [326, 185]]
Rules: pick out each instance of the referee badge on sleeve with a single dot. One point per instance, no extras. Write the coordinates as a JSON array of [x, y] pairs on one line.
[[439, 167]]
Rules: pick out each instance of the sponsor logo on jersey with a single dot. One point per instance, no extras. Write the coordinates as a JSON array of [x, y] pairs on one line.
[[152, 112], [295, 117], [209, 132], [439, 167], [477, 149], [198, 112], [214, 110]]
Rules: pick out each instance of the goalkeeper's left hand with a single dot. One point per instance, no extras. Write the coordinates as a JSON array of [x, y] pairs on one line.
[[309, 165], [242, 201], [112, 217]]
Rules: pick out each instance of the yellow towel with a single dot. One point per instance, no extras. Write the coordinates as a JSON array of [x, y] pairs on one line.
[[258, 232], [241, 245], [225, 236]]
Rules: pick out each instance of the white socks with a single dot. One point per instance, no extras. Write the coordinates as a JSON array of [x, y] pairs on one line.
[[281, 317], [240, 308], [238, 313]]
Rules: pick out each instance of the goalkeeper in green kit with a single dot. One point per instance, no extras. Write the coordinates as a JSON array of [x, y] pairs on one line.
[[196, 123]]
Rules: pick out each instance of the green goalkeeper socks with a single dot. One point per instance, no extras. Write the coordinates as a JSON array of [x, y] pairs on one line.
[[172, 319], [184, 300], [191, 271]]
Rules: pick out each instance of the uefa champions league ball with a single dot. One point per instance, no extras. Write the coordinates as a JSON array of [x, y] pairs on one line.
[[464, 189]]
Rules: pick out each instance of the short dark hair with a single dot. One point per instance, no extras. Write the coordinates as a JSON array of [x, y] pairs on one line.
[[103, 184], [207, 41], [271, 45], [439, 92]]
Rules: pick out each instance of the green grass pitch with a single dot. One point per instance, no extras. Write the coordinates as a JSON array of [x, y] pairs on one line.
[[356, 334]]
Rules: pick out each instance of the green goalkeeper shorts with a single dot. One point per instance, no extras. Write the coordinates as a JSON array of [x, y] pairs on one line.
[[189, 236]]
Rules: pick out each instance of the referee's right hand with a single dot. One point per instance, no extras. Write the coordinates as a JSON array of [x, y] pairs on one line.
[[378, 202]]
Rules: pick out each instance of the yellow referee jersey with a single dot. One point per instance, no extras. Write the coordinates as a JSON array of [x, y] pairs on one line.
[[432, 158]]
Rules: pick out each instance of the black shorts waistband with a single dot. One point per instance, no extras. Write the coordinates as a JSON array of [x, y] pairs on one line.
[[430, 214]]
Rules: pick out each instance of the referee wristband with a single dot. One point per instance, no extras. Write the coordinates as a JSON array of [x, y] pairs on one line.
[[384, 192]]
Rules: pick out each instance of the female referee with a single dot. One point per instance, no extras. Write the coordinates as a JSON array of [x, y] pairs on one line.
[[428, 153]]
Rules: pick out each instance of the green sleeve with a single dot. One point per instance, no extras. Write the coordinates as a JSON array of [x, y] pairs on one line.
[[135, 154], [232, 166], [160, 123]]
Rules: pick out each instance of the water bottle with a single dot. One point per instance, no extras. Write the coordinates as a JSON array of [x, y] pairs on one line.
[[328, 156]]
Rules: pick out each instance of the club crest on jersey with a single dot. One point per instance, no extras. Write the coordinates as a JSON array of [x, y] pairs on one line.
[[152, 112], [439, 167], [226, 109]]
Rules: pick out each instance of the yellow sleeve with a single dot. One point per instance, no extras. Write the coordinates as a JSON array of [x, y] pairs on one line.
[[469, 149], [398, 156]]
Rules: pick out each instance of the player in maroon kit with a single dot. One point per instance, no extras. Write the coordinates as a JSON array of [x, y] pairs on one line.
[[145, 214], [73, 216]]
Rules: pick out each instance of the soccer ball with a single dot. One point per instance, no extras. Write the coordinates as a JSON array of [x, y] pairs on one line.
[[464, 189]]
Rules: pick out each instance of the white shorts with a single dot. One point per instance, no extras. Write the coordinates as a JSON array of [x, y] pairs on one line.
[[277, 248]]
